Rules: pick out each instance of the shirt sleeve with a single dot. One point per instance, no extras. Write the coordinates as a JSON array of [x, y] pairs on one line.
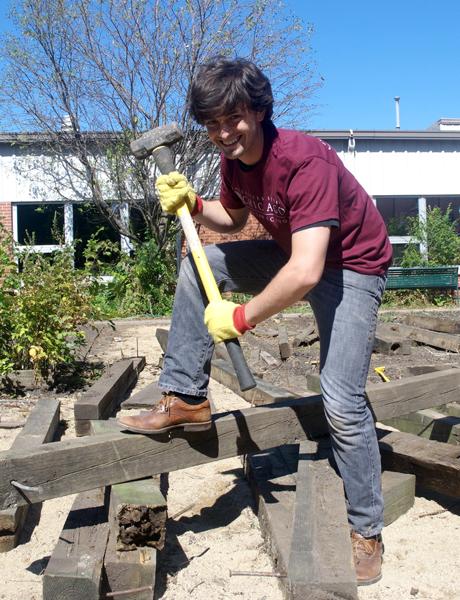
[[313, 194]]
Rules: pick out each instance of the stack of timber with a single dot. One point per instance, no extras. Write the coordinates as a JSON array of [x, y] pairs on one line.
[[103, 398], [40, 428], [282, 435], [109, 542]]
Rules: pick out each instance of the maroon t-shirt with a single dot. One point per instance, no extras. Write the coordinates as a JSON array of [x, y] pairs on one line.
[[300, 181]]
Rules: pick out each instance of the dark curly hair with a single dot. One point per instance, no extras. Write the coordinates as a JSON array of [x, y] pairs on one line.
[[221, 85]]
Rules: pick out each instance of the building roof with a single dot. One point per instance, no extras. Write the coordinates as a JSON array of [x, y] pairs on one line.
[[395, 134]]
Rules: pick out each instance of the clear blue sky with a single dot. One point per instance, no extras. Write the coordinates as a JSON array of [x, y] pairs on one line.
[[369, 52]]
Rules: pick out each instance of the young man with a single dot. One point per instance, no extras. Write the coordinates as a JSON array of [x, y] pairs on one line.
[[329, 245]]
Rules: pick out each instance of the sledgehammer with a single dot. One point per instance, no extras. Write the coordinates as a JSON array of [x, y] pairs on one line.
[[157, 142]]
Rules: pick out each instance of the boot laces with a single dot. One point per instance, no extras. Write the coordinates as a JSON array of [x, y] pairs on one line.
[[164, 405], [361, 545]]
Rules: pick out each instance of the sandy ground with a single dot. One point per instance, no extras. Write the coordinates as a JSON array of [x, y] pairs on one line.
[[218, 531]]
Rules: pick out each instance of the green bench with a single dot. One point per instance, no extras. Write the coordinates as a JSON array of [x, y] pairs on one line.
[[409, 278]]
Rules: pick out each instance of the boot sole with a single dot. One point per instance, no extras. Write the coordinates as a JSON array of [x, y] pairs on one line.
[[369, 581], [185, 426]]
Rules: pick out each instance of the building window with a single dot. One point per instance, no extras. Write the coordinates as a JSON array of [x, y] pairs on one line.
[[395, 211], [87, 220], [444, 202], [37, 222]]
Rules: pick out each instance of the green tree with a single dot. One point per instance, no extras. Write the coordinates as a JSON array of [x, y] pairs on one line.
[[88, 76], [438, 234]]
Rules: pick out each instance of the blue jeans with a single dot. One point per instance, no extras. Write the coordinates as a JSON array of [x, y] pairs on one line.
[[345, 305]]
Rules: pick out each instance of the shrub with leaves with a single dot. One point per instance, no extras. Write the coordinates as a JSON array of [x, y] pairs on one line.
[[41, 310], [438, 234], [141, 284]]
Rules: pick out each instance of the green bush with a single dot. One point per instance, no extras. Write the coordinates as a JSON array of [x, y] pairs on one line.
[[142, 284], [41, 309], [438, 234]]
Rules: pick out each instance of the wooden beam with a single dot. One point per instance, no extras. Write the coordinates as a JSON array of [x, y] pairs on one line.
[[398, 495], [134, 570], [138, 515], [40, 428], [390, 344], [430, 424], [75, 567], [436, 465], [410, 394], [145, 398], [264, 392], [137, 509], [283, 342], [445, 341], [387, 400], [272, 477], [102, 399], [440, 324], [320, 559], [79, 464]]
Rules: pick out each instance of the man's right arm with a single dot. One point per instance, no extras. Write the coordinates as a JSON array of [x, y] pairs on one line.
[[174, 190], [220, 219]]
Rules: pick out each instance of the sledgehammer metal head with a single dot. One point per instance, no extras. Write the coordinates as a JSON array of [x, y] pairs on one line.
[[165, 135]]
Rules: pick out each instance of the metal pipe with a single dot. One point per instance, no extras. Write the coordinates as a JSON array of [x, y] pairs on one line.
[[397, 98]]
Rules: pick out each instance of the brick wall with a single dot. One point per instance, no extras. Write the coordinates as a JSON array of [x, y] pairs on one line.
[[253, 230], [6, 216]]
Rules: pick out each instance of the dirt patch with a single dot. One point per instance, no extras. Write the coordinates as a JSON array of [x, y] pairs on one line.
[[218, 531]]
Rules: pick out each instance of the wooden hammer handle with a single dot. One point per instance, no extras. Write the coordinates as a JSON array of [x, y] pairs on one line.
[[245, 378]]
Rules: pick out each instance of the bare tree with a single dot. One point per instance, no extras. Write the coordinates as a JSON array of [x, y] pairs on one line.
[[115, 68]]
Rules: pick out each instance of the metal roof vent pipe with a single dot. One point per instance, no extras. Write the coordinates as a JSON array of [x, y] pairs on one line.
[[398, 125]]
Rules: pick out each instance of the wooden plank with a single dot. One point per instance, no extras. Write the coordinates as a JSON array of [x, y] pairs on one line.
[[138, 515], [75, 567], [105, 395], [145, 398], [440, 324], [390, 344], [272, 477], [410, 394], [40, 428], [273, 486], [320, 560], [130, 570], [445, 341], [398, 495], [284, 346], [78, 464], [430, 424], [436, 465]]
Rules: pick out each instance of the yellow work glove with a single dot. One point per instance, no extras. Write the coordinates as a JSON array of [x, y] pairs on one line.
[[174, 190], [225, 320]]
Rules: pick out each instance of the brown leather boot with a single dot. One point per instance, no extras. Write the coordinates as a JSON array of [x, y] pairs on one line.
[[170, 412], [367, 555]]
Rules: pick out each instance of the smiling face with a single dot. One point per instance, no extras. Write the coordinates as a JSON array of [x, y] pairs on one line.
[[239, 135]]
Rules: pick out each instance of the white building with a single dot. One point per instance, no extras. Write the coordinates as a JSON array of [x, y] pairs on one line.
[[404, 171]]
